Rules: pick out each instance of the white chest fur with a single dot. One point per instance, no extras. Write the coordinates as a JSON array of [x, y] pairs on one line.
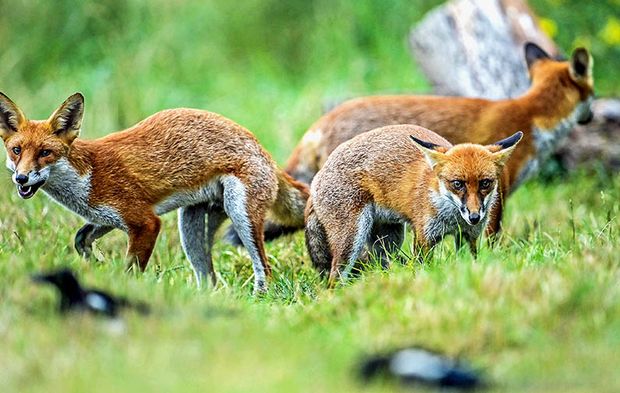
[[71, 190], [448, 221]]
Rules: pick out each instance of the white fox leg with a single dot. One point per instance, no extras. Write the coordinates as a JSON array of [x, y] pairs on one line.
[[364, 228], [192, 232], [86, 236], [214, 221], [236, 208]]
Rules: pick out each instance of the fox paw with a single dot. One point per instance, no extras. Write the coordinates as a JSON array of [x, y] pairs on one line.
[[82, 244]]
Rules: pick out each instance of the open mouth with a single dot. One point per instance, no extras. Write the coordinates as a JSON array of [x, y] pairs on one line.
[[26, 192]]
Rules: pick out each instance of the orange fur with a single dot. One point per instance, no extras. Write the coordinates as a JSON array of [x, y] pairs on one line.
[[380, 178], [558, 88], [150, 168]]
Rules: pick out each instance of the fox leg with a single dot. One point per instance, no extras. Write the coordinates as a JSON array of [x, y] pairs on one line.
[[317, 242], [473, 247], [495, 221], [86, 236], [142, 238], [422, 246], [192, 233], [472, 241], [496, 214], [214, 221], [385, 241], [248, 226], [349, 243]]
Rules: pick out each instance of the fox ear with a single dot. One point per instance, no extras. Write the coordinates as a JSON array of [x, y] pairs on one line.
[[433, 153], [503, 149], [580, 65], [534, 53], [66, 121], [10, 117]]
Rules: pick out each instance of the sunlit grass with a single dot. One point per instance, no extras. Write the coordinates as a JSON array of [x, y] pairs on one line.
[[539, 311]]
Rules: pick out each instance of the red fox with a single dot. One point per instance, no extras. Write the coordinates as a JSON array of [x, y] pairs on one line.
[[191, 160], [559, 97], [378, 181]]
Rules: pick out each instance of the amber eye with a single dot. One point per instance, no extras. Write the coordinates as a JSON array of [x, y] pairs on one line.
[[17, 150], [457, 184], [485, 183], [45, 153]]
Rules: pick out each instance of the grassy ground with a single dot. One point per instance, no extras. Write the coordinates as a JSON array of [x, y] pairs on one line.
[[540, 312]]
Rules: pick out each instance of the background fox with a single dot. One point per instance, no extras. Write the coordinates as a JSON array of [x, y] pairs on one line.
[[559, 97], [191, 160], [376, 182]]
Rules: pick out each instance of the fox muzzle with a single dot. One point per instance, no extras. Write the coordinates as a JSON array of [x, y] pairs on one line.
[[472, 218], [29, 184]]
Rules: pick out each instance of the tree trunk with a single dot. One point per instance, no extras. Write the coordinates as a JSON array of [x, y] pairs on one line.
[[474, 48]]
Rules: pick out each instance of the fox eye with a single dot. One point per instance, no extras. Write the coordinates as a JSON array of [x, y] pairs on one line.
[[457, 184], [485, 183], [45, 153], [17, 150]]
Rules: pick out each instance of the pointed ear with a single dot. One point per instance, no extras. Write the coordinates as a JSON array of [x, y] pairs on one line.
[[503, 149], [66, 121], [580, 64], [10, 117], [533, 53], [433, 153]]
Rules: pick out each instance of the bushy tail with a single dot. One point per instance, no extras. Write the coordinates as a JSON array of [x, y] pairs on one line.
[[317, 242], [287, 212]]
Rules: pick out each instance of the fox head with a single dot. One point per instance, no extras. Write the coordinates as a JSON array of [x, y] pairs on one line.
[[574, 75], [35, 146], [468, 174]]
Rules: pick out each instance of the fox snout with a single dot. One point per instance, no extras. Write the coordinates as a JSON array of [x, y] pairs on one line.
[[585, 114], [21, 179], [28, 184], [586, 117], [471, 217], [474, 218]]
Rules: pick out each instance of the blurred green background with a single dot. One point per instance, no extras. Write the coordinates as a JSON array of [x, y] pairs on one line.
[[268, 64], [540, 312]]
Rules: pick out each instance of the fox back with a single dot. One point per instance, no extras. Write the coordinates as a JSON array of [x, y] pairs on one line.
[[559, 97]]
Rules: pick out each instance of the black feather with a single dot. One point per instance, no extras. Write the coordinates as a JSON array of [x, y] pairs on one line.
[[419, 365], [73, 297]]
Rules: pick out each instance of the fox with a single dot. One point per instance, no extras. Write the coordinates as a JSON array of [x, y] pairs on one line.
[[378, 181], [560, 96], [193, 161]]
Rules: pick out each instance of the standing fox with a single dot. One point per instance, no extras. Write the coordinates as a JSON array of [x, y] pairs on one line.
[[559, 97], [191, 160], [378, 181]]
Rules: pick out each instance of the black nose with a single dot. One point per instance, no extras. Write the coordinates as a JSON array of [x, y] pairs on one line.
[[586, 119], [21, 179], [474, 218]]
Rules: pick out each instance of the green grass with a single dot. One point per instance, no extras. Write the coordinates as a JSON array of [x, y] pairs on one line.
[[540, 312]]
